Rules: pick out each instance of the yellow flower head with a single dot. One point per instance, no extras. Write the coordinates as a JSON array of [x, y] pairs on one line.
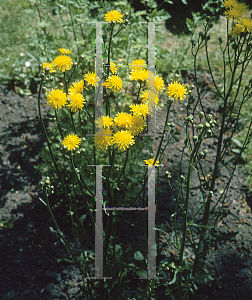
[[237, 30], [139, 75], [104, 121], [64, 51], [103, 139], [113, 67], [76, 101], [139, 109], [114, 83], [123, 139], [92, 78], [150, 97], [176, 90], [150, 162], [77, 87], [123, 120], [229, 3], [62, 63], [57, 98], [137, 125], [72, 141], [114, 15], [159, 84], [48, 65], [138, 64], [237, 11], [246, 24]]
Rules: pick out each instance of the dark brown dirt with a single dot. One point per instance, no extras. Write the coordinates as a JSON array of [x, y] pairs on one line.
[[29, 251]]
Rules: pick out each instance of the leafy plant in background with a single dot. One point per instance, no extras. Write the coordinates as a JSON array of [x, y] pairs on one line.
[[130, 93]]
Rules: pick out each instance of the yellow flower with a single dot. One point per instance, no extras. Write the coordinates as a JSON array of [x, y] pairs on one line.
[[104, 121], [64, 51], [237, 30], [151, 96], [72, 141], [139, 75], [246, 24], [137, 125], [229, 3], [123, 139], [138, 64], [48, 65], [56, 98], [77, 87], [159, 84], [103, 139], [114, 15], [176, 90], [237, 11], [113, 67], [150, 162], [76, 101], [139, 109], [92, 78], [114, 83], [62, 63], [123, 120]]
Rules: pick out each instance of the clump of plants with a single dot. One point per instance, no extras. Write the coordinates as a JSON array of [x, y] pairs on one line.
[[98, 155]]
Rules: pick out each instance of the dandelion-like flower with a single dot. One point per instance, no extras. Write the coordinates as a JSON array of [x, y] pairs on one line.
[[159, 84], [77, 87], [137, 125], [64, 51], [114, 83], [113, 67], [123, 139], [149, 97], [104, 121], [123, 120], [57, 98], [229, 3], [114, 15], [150, 162], [176, 90], [92, 78], [76, 101], [237, 11], [138, 64], [62, 63], [246, 24], [72, 141], [139, 109], [48, 65], [103, 139], [139, 75], [236, 30]]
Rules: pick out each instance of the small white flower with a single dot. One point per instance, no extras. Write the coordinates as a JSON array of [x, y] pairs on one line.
[[22, 75], [27, 64], [21, 54]]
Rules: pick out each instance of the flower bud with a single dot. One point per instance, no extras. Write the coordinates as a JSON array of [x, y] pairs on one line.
[[209, 118], [201, 154], [176, 77], [201, 115], [200, 127]]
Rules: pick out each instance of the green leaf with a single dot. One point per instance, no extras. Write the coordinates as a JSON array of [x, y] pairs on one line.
[[138, 255], [184, 1], [236, 150], [237, 143], [65, 259], [7, 224], [141, 273], [174, 278]]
